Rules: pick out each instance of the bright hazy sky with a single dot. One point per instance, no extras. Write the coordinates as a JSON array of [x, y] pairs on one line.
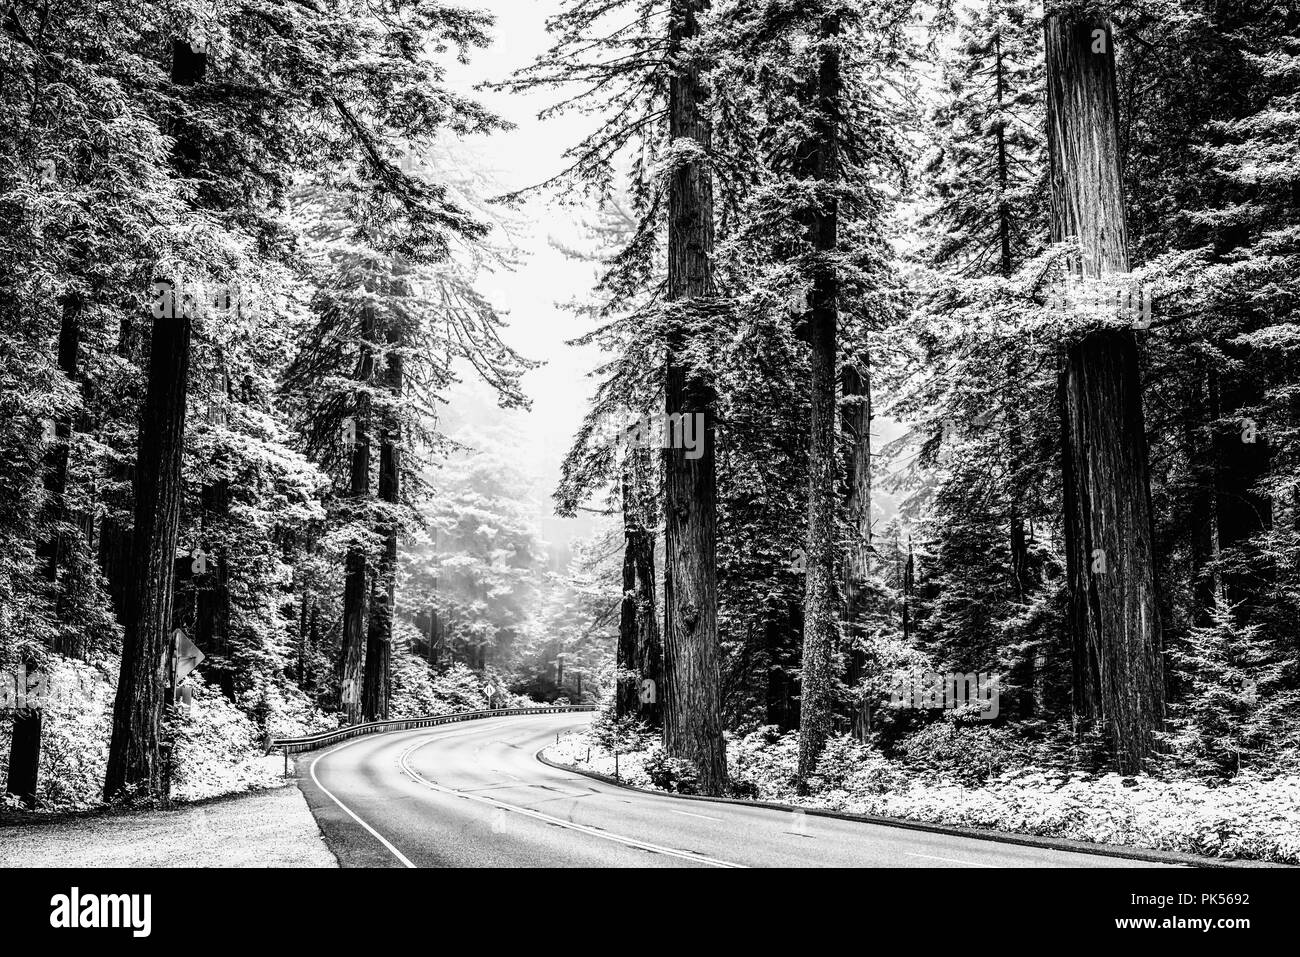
[[533, 295]]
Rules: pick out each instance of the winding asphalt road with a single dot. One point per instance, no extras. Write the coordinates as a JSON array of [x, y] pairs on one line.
[[473, 794]]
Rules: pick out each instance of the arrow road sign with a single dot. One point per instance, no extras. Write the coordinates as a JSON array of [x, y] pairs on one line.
[[188, 656]]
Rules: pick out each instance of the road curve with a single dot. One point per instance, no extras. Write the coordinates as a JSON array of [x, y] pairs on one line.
[[474, 795]]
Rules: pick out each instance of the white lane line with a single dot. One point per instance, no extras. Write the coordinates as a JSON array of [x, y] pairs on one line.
[[352, 814], [406, 861], [560, 822], [950, 860], [702, 817]]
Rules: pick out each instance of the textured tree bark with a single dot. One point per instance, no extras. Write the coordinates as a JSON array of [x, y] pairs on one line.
[[692, 678], [1000, 142], [25, 755], [133, 752], [114, 550], [212, 593], [1241, 459], [355, 575], [56, 476], [379, 633], [782, 634], [1025, 676], [300, 670], [625, 657], [313, 639], [1018, 542], [1204, 535], [856, 426], [640, 655], [25, 743], [821, 629], [1118, 657], [137, 712]]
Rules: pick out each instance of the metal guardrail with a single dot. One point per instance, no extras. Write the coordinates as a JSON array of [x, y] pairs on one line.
[[313, 741]]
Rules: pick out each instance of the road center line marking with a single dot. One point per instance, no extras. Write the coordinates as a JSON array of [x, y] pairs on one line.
[[950, 860], [406, 861], [549, 819]]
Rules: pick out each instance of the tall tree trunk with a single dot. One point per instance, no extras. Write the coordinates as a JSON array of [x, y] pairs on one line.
[[692, 685], [1241, 460], [212, 592], [640, 655], [782, 635], [1118, 663], [25, 742], [51, 552], [1018, 541], [300, 672], [379, 634], [1025, 673], [355, 577], [821, 628], [137, 712], [1203, 531], [25, 755], [133, 751], [856, 425], [313, 638], [114, 551], [212, 587], [626, 693]]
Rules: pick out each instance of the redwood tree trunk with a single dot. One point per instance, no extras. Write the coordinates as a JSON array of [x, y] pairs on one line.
[[692, 678], [1203, 531], [355, 578], [821, 629], [56, 476], [133, 751], [1118, 666], [856, 426], [1241, 461], [640, 656], [782, 636], [25, 755], [137, 712], [1018, 541], [25, 743], [114, 549], [212, 592], [379, 634]]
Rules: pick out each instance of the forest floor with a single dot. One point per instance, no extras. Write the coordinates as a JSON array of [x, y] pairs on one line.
[[266, 828]]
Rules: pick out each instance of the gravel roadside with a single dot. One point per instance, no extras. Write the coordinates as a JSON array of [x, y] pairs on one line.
[[270, 828]]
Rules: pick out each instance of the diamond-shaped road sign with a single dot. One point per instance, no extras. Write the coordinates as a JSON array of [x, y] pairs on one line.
[[188, 656]]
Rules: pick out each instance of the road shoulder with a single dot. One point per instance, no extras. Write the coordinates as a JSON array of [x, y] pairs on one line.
[[267, 828]]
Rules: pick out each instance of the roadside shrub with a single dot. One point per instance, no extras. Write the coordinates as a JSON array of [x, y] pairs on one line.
[[458, 688], [217, 749], [619, 734], [967, 753], [671, 774], [849, 765], [766, 760], [289, 712]]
